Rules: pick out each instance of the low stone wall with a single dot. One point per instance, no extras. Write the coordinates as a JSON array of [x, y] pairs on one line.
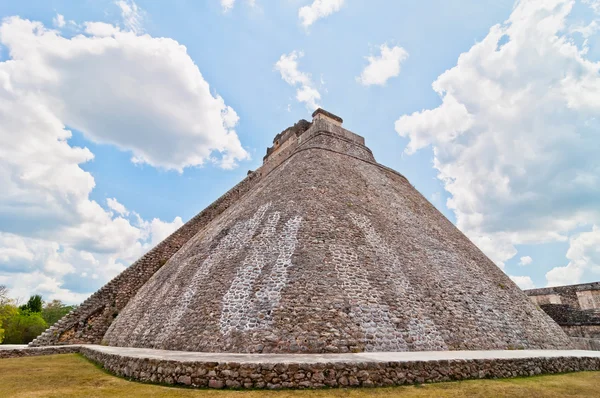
[[37, 351], [319, 375]]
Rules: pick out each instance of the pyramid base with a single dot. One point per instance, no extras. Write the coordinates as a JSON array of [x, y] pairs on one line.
[[278, 371]]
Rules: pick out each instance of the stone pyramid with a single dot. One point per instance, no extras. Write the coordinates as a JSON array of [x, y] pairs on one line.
[[319, 250]]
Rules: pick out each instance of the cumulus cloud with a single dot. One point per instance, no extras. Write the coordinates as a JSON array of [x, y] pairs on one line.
[[59, 21], [525, 260], [100, 29], [524, 282], [317, 10], [139, 93], [515, 139], [584, 256], [132, 15], [288, 68], [594, 5], [117, 207], [383, 67]]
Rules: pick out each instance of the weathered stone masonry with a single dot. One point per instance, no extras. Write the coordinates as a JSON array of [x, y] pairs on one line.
[[88, 323], [576, 308], [320, 250]]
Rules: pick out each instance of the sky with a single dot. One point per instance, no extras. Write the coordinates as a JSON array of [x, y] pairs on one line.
[[121, 120]]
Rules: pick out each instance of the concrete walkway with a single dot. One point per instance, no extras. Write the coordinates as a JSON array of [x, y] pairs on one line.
[[186, 356], [12, 346]]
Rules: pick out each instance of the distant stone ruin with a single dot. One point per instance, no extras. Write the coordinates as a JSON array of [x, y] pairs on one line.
[[320, 250], [576, 308]]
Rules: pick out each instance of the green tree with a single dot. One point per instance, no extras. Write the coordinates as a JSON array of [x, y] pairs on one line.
[[34, 304], [55, 310], [23, 326], [7, 310]]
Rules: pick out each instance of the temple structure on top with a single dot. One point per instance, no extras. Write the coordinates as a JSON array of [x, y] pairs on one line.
[[319, 250]]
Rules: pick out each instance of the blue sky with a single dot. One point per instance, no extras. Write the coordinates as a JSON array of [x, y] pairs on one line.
[[504, 143]]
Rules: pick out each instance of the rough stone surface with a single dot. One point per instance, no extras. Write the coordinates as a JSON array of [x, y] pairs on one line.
[[278, 371], [330, 252], [17, 352], [576, 308], [584, 296], [320, 250], [88, 322]]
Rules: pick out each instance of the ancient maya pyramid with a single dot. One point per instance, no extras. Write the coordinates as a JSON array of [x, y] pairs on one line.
[[321, 249]]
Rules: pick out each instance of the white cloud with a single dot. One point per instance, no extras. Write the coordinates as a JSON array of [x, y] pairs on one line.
[[163, 112], [317, 10], [525, 260], [288, 68], [117, 207], [101, 29], [524, 282], [227, 5], [59, 21], [515, 139], [594, 5], [140, 93], [132, 15], [584, 256], [383, 67]]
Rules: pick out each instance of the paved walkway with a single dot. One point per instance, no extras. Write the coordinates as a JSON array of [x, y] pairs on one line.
[[187, 356], [12, 346]]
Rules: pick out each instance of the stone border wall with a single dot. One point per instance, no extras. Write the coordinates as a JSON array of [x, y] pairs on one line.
[[88, 323], [324, 374], [37, 351], [365, 374]]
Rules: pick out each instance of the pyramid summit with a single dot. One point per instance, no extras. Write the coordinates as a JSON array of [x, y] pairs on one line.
[[319, 250]]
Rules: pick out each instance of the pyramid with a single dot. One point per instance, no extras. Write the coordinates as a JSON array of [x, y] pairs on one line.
[[319, 250]]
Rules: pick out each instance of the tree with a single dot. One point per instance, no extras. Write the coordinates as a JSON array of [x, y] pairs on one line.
[[55, 310], [7, 310], [23, 327], [34, 304]]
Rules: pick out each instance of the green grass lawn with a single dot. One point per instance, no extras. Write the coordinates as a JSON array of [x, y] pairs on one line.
[[71, 375]]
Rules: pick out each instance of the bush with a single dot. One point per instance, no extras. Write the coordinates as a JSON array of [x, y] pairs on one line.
[[23, 327], [55, 310]]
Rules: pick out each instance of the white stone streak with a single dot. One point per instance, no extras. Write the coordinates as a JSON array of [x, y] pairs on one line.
[[380, 332], [237, 300], [228, 247], [158, 299], [268, 297], [421, 331]]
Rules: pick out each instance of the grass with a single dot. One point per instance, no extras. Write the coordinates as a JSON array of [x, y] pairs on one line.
[[71, 375]]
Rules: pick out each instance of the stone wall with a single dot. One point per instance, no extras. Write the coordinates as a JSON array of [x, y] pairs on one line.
[[321, 372], [37, 351], [584, 296], [88, 323], [584, 343], [576, 308], [274, 272], [322, 375]]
